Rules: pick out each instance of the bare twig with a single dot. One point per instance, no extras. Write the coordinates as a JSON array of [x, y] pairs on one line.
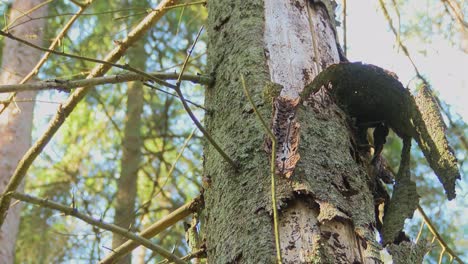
[[395, 32], [421, 77], [437, 236], [175, 95], [56, 42], [105, 62], [27, 13], [196, 254], [78, 3], [71, 14], [65, 85], [169, 7], [190, 113], [397, 11], [73, 100], [458, 13], [187, 4], [153, 193], [457, 130], [154, 229], [72, 211], [272, 171], [52, 46], [108, 115]]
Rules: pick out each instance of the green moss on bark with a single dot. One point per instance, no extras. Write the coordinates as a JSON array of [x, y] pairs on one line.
[[238, 228], [328, 171], [408, 252], [433, 141], [371, 94], [404, 201]]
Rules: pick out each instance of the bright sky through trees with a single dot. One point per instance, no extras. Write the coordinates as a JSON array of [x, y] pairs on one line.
[[89, 141], [444, 65]]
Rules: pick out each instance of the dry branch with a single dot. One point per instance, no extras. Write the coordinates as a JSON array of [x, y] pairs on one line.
[[104, 62], [27, 13], [96, 222], [155, 229], [46, 55], [66, 85], [190, 113], [196, 254], [65, 109], [436, 234]]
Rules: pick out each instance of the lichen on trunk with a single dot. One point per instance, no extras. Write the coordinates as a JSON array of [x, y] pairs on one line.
[[237, 226], [327, 186], [371, 97]]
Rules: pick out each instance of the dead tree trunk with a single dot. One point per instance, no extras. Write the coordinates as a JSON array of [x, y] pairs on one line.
[[326, 206]]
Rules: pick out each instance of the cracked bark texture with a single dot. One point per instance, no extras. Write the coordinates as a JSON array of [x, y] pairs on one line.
[[326, 202], [16, 121]]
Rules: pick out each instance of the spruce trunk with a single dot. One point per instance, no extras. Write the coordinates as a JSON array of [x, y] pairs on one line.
[[325, 202]]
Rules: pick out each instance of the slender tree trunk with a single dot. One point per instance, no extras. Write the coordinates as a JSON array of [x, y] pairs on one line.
[[131, 156], [326, 209], [16, 120]]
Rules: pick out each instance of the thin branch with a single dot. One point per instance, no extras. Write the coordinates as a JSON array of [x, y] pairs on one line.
[[27, 13], [196, 254], [71, 14], [171, 94], [30, 100], [108, 115], [56, 42], [66, 85], [419, 232], [437, 235], [72, 211], [457, 13], [421, 77], [154, 229], [395, 32], [190, 113], [170, 7], [187, 4], [73, 100], [146, 10], [180, 64], [272, 171], [80, 4], [456, 128], [441, 255], [104, 62], [397, 11], [153, 193], [52, 46]]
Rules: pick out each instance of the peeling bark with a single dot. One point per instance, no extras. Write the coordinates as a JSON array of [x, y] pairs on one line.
[[324, 192]]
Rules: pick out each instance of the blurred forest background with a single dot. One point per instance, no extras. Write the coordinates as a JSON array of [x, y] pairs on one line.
[[126, 131]]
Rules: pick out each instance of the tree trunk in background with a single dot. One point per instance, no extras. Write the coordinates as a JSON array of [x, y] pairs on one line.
[[131, 152], [326, 206], [16, 121]]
